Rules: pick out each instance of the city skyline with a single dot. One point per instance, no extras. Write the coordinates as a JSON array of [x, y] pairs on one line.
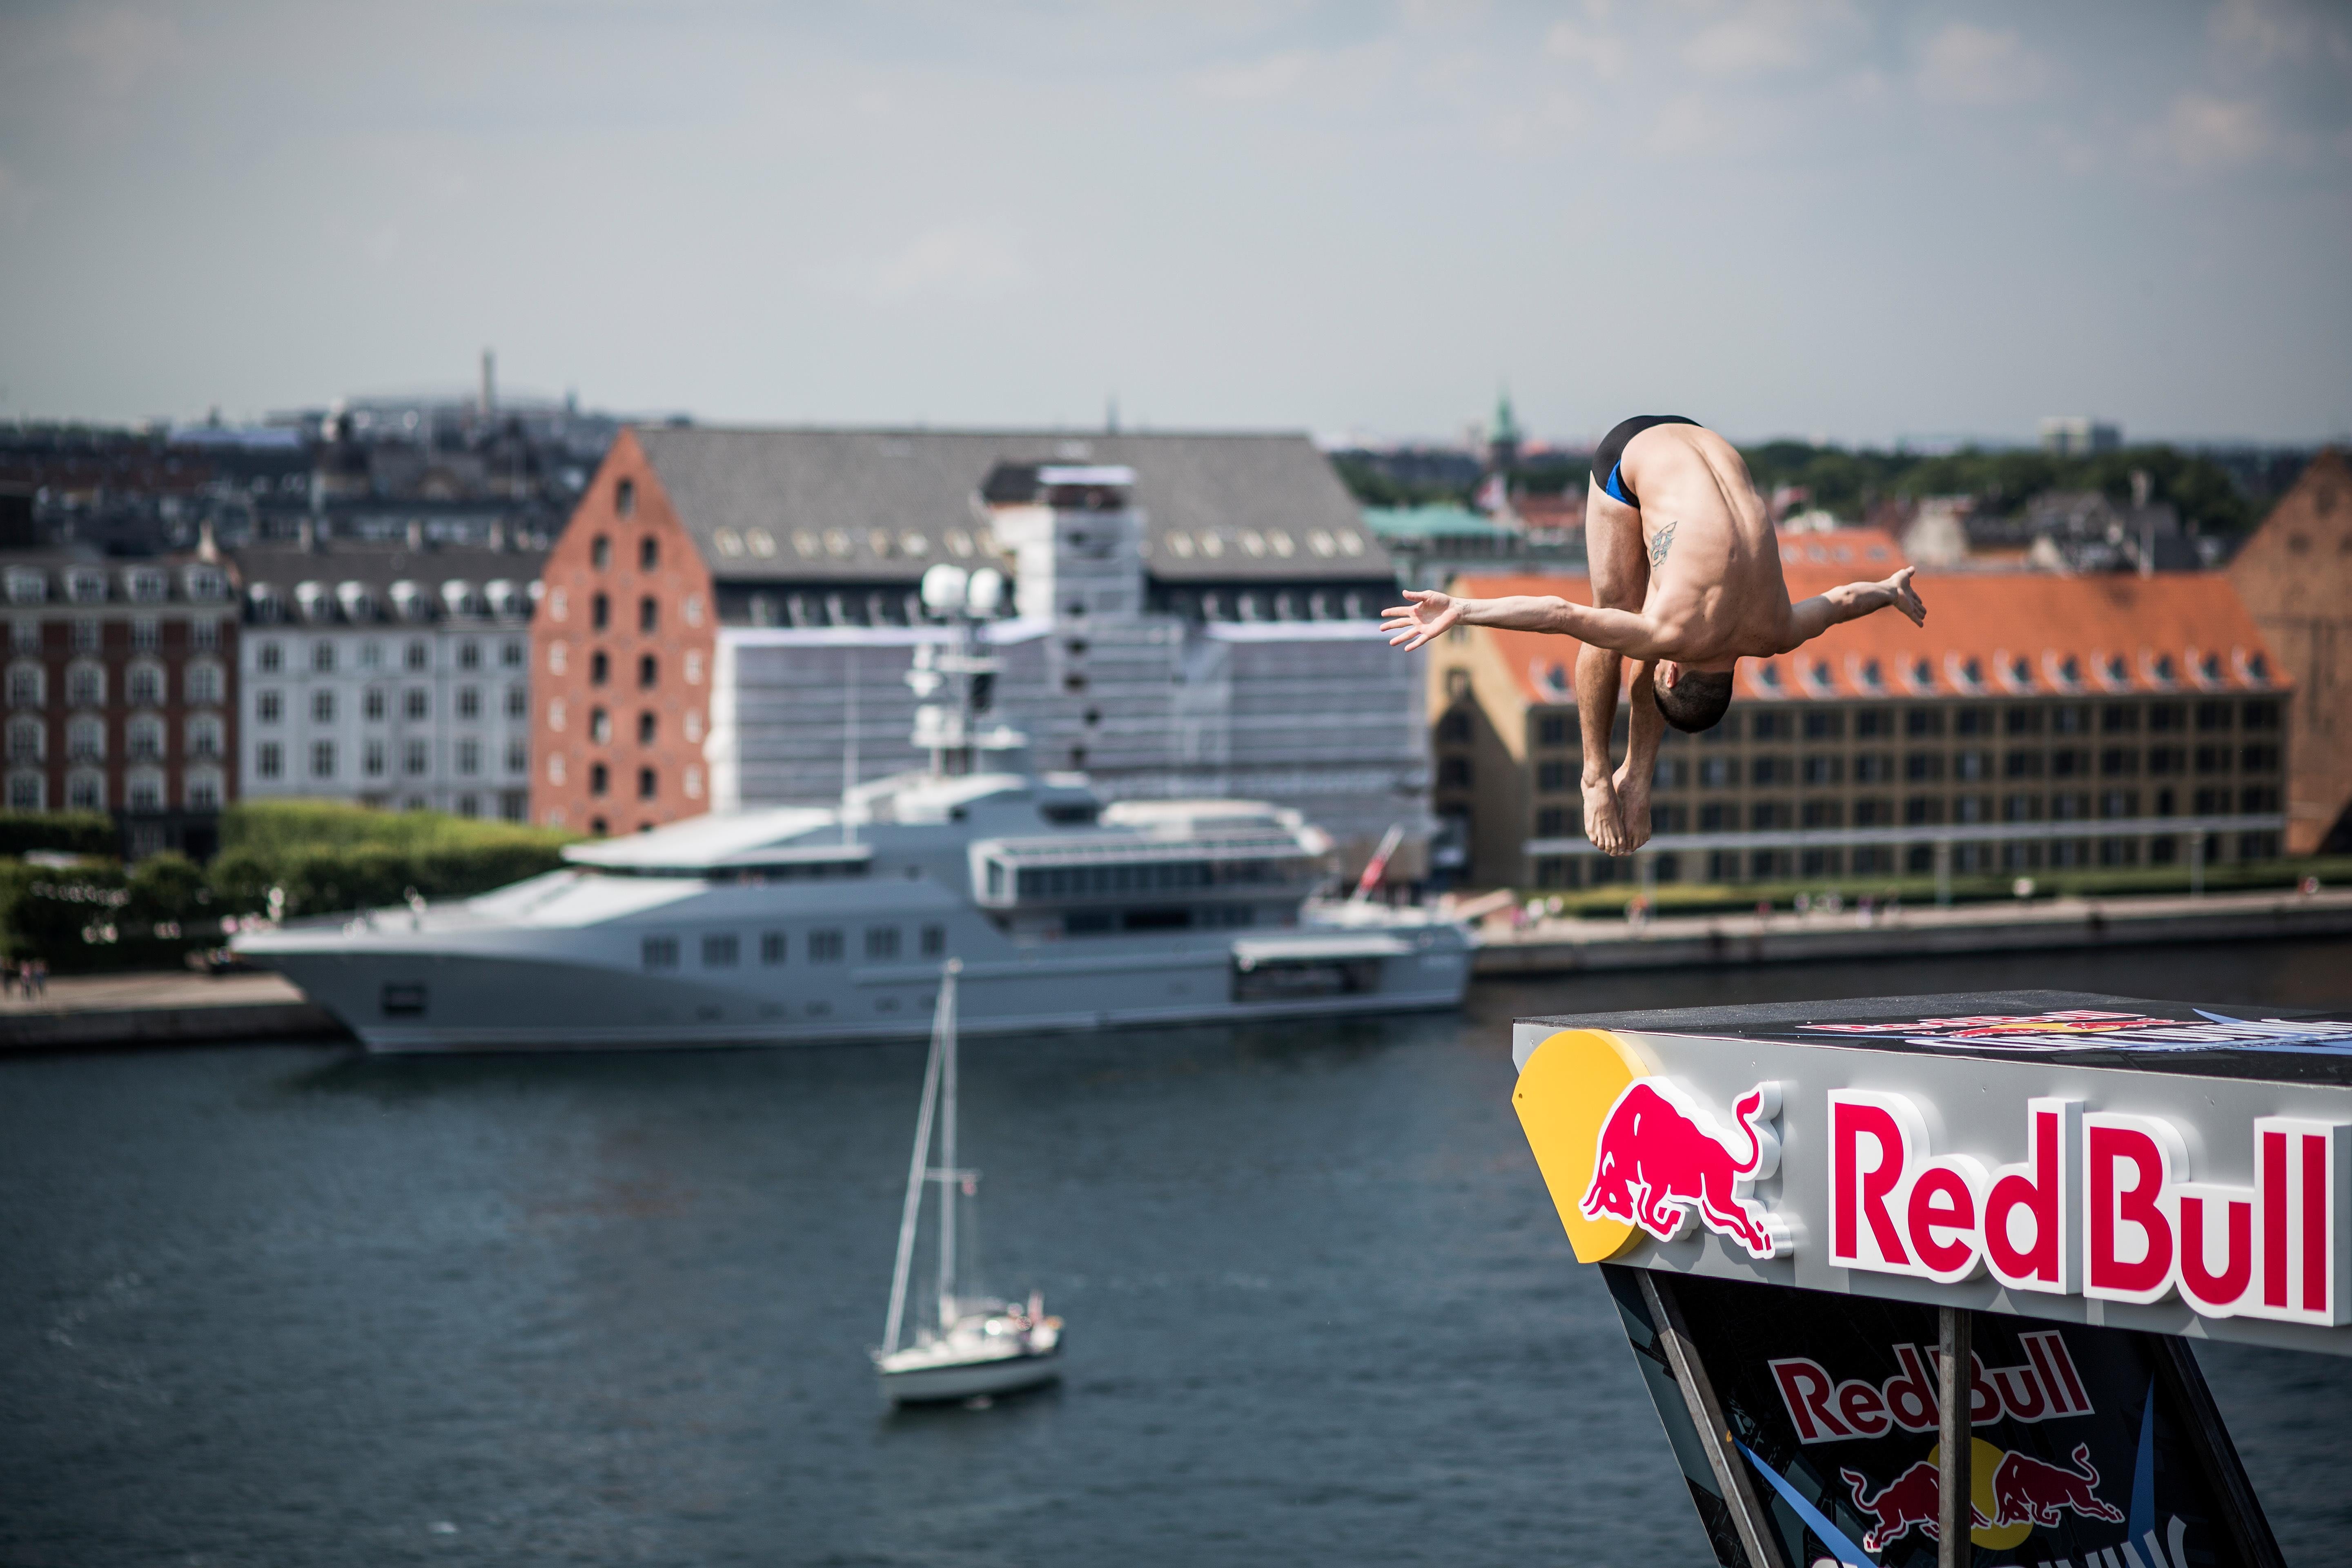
[[1808, 220]]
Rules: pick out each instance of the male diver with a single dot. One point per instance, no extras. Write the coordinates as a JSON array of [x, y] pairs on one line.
[[1685, 581]]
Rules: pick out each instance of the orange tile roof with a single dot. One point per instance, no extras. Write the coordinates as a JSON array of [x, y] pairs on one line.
[[1987, 635], [1866, 552]]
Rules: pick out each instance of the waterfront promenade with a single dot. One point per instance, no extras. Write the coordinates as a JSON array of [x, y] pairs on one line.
[[168, 1008]]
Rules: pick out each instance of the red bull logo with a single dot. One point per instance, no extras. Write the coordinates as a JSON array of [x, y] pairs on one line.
[[2103, 1205], [1822, 1409], [2011, 1495], [1661, 1161]]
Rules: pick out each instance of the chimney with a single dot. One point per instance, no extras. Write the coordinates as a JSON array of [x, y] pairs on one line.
[[416, 534], [498, 536], [306, 536], [207, 542]]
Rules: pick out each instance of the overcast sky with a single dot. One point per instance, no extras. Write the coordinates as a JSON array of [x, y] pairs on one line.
[[1850, 220]]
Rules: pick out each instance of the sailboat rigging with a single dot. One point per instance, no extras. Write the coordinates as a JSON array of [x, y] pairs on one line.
[[970, 1346]]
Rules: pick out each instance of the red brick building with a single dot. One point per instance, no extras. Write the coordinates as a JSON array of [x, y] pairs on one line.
[[120, 693], [621, 660], [2295, 576]]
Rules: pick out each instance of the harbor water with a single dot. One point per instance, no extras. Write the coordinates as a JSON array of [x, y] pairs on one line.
[[282, 1305]]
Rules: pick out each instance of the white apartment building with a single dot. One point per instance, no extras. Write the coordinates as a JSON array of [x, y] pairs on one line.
[[394, 676]]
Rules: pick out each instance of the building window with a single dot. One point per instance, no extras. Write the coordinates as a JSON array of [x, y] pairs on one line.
[[469, 757], [205, 737], [2213, 716], [470, 655], [660, 951], [269, 761], [693, 668], [599, 778], [647, 785], [2258, 759], [85, 739], [2022, 764], [721, 952], [1769, 770], [86, 792], [600, 613], [203, 790], [600, 669], [771, 947], [419, 655], [599, 553], [824, 947], [469, 702], [645, 728], [1823, 814], [204, 636], [1922, 810], [417, 702], [143, 738], [85, 685], [202, 682], [648, 615], [881, 943], [518, 756], [373, 704], [1824, 725], [146, 634], [416, 759], [1821, 770], [1551, 776], [648, 671], [143, 685], [322, 707], [648, 553], [322, 759], [518, 701], [1454, 773], [2260, 713], [692, 783], [1921, 723], [1770, 727], [555, 768], [599, 727], [935, 941], [371, 760], [269, 707], [514, 655], [322, 656], [84, 638], [25, 740], [269, 658]]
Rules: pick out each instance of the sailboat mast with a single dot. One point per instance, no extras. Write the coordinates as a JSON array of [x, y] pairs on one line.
[[949, 1177], [913, 1209]]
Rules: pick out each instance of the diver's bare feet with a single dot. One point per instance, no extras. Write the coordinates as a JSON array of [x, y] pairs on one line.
[[1633, 806], [1907, 597], [1603, 823]]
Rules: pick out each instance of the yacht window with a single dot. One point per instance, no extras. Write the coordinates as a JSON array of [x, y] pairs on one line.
[[661, 952], [935, 941], [720, 951], [881, 941], [771, 947], [824, 947]]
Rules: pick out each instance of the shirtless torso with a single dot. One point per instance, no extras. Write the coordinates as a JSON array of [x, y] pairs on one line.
[[1685, 579]]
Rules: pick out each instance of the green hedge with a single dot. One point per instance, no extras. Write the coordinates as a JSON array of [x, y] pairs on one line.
[[66, 832], [1608, 902], [316, 856]]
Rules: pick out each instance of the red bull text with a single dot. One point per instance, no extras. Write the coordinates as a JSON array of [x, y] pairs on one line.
[[1661, 1158], [1824, 1410], [2103, 1206]]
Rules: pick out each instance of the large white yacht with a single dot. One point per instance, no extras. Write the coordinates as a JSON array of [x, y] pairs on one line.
[[805, 925]]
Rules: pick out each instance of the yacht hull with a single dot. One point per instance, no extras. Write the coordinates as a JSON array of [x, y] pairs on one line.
[[412, 1000]]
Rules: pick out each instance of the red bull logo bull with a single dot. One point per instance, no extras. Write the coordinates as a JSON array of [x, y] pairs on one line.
[[2011, 1495], [1661, 1161]]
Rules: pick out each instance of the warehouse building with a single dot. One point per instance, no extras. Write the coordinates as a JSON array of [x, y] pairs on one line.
[[2034, 722]]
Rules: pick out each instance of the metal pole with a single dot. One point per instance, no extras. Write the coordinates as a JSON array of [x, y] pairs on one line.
[[1748, 1520], [950, 1178], [1954, 1508], [1943, 873], [2197, 864]]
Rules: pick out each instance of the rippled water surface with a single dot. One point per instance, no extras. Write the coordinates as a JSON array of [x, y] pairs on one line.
[[293, 1306]]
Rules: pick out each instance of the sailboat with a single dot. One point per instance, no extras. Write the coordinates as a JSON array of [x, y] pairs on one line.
[[973, 1346]]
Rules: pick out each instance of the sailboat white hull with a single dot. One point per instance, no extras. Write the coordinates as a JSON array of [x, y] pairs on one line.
[[971, 1379]]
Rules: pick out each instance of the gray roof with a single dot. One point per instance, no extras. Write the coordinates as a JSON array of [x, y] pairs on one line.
[[823, 500], [376, 568]]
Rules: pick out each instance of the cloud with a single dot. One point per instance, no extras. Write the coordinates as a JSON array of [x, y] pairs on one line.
[[1968, 64], [1597, 52], [2266, 29], [967, 261], [1690, 124], [1275, 76], [1759, 40], [1345, 73], [2207, 132], [122, 47]]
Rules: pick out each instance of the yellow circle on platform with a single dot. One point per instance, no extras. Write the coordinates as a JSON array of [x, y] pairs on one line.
[[1983, 1460], [1563, 1095]]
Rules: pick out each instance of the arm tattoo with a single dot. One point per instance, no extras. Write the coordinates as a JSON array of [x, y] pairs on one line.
[[1661, 544]]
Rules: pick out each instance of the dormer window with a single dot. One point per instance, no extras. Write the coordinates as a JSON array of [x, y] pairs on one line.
[[27, 585], [86, 587], [147, 585]]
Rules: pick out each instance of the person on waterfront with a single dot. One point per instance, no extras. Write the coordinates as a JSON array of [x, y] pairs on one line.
[[1685, 581], [40, 977]]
